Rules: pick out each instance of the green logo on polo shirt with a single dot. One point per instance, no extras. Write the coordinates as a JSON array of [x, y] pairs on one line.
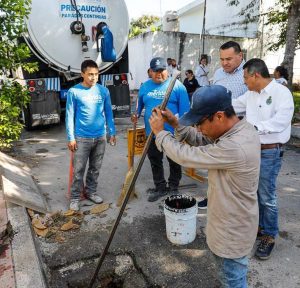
[[269, 100]]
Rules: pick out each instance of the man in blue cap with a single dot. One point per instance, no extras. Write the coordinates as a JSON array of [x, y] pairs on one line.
[[230, 149], [151, 95]]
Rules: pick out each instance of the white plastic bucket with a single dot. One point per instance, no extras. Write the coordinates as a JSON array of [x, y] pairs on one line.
[[181, 212]]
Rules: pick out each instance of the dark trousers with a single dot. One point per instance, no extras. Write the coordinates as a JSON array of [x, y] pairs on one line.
[[156, 160]]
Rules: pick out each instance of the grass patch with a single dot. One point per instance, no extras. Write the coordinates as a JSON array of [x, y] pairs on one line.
[[297, 100]]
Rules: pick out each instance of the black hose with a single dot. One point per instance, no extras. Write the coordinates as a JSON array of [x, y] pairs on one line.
[[74, 5]]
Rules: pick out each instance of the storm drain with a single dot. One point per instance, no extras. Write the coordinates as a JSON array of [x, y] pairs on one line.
[[119, 271]]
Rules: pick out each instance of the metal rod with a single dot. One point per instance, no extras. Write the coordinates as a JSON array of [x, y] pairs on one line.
[[132, 183]]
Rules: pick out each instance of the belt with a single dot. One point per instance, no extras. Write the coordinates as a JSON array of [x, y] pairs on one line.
[[270, 146]]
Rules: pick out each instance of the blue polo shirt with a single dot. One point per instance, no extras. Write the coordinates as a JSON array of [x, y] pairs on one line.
[[151, 95]]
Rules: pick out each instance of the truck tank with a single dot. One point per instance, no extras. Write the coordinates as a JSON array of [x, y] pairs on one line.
[[63, 33]]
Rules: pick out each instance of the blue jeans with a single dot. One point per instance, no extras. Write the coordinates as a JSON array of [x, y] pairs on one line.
[[267, 197], [232, 272], [91, 149]]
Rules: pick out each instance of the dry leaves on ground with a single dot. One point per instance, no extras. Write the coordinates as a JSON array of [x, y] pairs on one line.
[[97, 209], [54, 225], [41, 232], [69, 225]]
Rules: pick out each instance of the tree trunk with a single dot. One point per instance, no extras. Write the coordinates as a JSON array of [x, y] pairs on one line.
[[293, 25]]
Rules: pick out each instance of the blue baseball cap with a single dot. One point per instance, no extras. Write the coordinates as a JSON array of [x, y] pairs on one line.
[[158, 63], [206, 101]]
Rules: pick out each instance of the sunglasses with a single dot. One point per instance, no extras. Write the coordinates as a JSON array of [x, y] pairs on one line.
[[204, 119]]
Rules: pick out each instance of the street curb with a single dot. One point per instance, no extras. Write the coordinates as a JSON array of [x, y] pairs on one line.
[[27, 265], [6, 262], [296, 130]]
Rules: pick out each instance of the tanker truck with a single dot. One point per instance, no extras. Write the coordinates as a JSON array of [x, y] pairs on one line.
[[63, 33]]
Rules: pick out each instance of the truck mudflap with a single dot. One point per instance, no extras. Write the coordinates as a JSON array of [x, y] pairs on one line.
[[120, 99], [44, 109]]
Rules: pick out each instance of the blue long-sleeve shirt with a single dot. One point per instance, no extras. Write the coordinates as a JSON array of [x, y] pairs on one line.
[[151, 94], [88, 110]]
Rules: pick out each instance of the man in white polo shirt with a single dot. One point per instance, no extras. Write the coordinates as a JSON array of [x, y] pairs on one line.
[[269, 108]]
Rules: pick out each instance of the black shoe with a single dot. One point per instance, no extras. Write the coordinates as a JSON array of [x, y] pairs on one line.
[[260, 233], [202, 204], [155, 194], [265, 247], [173, 190]]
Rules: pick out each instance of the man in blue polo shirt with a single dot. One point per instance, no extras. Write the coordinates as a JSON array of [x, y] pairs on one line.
[[88, 111], [151, 95]]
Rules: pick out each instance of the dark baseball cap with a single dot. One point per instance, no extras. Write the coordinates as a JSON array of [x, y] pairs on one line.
[[158, 63], [206, 101]]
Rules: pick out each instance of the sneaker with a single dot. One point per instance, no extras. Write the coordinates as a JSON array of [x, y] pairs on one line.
[[95, 198], [202, 204], [265, 247], [74, 205], [155, 194]]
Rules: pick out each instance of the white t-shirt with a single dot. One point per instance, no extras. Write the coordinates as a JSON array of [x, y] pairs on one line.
[[281, 81], [201, 75]]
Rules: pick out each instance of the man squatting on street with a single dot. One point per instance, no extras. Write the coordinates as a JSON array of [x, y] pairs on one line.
[[88, 111], [230, 149], [151, 94], [269, 106]]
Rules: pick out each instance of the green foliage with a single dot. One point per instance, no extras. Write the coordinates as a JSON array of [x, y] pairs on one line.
[[142, 24], [13, 96], [297, 101], [277, 15]]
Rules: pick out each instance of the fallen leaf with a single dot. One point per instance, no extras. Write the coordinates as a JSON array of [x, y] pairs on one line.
[[97, 209], [38, 224], [30, 212], [69, 213], [41, 232], [69, 225]]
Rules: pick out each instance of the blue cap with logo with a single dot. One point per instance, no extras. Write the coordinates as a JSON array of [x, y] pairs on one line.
[[206, 101], [158, 63]]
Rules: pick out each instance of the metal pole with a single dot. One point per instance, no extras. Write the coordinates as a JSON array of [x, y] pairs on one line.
[[203, 28], [132, 183]]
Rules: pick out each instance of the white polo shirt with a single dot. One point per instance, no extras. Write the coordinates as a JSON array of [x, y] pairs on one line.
[[271, 111]]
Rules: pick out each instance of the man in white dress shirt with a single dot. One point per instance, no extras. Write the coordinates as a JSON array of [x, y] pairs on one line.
[[269, 108], [231, 76]]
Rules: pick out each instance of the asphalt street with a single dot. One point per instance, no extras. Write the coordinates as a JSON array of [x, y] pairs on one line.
[[141, 255]]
